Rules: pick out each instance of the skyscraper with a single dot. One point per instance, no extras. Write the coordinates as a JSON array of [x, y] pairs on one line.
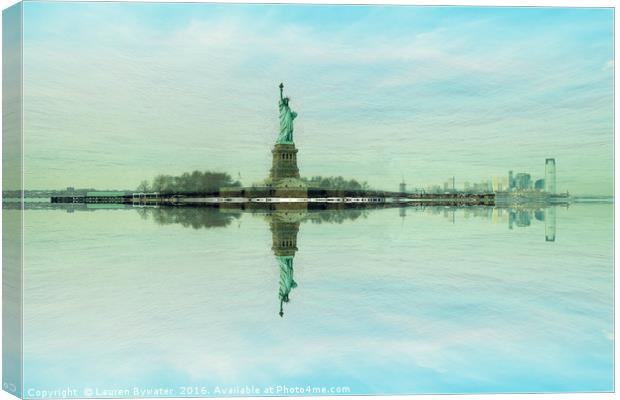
[[550, 183], [523, 181], [539, 184]]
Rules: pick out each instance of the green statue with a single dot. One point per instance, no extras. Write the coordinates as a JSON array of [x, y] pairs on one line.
[[286, 120]]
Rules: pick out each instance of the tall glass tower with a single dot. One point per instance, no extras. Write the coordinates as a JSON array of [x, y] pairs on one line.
[[550, 183]]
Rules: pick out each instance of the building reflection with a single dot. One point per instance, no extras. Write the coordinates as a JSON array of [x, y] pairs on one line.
[[550, 224], [521, 216]]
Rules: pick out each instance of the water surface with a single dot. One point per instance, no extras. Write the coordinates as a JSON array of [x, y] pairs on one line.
[[387, 301]]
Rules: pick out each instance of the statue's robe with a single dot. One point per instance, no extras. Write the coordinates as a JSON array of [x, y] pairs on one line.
[[286, 277], [286, 124]]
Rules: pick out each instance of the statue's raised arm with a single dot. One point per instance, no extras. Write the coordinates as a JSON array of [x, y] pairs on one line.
[[286, 119]]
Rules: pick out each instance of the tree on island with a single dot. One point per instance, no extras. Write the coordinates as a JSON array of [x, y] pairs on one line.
[[143, 186], [195, 182], [335, 182]]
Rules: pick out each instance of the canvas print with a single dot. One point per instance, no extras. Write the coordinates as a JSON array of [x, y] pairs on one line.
[[215, 200]]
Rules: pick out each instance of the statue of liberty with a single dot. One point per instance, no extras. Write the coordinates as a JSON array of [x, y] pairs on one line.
[[286, 120]]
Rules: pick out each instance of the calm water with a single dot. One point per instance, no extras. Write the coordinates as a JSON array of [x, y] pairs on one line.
[[386, 301]]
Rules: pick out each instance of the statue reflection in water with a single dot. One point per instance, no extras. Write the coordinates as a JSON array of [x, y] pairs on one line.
[[284, 224]]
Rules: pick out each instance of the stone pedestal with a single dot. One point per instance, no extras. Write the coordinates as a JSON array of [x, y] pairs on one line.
[[284, 175], [284, 164]]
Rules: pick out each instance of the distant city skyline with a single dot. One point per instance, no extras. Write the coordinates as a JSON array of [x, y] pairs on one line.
[[116, 93]]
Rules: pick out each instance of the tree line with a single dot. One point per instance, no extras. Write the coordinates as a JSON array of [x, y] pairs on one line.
[[194, 182], [210, 181], [335, 182]]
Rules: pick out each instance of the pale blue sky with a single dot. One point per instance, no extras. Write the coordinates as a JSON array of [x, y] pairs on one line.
[[118, 92]]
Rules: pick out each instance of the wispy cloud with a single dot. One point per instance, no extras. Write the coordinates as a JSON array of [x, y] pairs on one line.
[[208, 83]]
